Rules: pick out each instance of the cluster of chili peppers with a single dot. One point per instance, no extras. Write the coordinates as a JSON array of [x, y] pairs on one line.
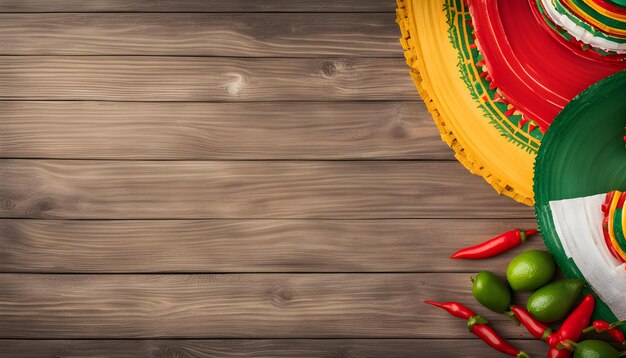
[[571, 330], [600, 326], [478, 325], [559, 341]]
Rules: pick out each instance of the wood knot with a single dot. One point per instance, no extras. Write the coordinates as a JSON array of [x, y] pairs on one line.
[[45, 205], [10, 204], [332, 68], [329, 69], [284, 295], [398, 132], [280, 296], [41, 207], [237, 84]]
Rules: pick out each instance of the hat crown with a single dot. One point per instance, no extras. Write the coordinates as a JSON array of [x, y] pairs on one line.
[[591, 25]]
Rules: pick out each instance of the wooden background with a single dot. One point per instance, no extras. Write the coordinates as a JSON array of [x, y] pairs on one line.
[[229, 178]]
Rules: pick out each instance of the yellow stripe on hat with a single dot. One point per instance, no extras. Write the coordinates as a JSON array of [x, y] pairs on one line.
[[611, 227], [604, 11], [599, 24], [624, 219], [434, 63]]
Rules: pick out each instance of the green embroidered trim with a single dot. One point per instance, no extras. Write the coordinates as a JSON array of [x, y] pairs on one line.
[[591, 12], [567, 36], [619, 3], [618, 229], [460, 35], [580, 22]]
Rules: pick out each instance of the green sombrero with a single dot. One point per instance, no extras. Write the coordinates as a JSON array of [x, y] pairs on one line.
[[582, 158]]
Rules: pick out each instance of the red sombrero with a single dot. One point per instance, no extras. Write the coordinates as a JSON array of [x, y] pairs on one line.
[[495, 73], [536, 69]]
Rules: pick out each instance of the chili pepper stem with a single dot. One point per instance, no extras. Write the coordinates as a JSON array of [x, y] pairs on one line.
[[567, 344], [612, 325], [478, 325], [618, 323], [526, 234], [474, 320], [547, 335], [511, 315]]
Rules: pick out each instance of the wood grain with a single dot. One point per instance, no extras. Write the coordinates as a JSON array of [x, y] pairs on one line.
[[314, 348], [248, 245], [193, 34], [199, 189], [243, 306], [175, 130], [255, 221], [132, 78], [197, 6]]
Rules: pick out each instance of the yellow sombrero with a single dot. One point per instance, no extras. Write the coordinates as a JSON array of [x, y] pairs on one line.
[[493, 90]]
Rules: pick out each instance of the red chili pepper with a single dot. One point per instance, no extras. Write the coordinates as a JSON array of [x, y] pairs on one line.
[[454, 308], [477, 324], [578, 320], [601, 326], [559, 353], [533, 326], [495, 246], [617, 335], [572, 327], [489, 336]]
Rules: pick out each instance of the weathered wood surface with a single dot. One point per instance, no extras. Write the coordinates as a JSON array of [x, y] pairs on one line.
[[309, 217], [197, 6], [302, 130], [242, 305], [195, 34], [201, 189], [247, 245], [131, 78], [313, 348]]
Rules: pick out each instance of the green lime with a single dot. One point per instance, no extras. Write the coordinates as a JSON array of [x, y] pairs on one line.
[[552, 302], [491, 292], [594, 349], [530, 270]]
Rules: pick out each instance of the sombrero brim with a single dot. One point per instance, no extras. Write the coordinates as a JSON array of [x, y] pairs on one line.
[[442, 63], [580, 157], [494, 133]]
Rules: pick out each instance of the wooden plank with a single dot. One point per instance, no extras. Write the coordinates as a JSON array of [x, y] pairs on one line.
[[241, 305], [146, 130], [131, 78], [197, 5], [198, 189], [318, 348], [193, 34], [248, 245]]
